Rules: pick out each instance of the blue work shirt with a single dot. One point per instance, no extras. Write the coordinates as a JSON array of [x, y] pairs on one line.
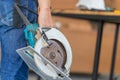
[[7, 9]]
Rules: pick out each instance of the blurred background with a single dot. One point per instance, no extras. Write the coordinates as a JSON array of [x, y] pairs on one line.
[[82, 35]]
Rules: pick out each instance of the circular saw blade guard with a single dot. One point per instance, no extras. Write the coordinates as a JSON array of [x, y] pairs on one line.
[[58, 53]]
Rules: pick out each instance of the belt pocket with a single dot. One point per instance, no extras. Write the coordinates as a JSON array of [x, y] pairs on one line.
[[17, 21]]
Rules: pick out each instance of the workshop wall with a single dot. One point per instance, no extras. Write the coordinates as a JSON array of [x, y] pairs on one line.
[[82, 37], [70, 4], [64, 4], [113, 3]]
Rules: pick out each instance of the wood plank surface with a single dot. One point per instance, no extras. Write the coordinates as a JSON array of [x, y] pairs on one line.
[[76, 11]]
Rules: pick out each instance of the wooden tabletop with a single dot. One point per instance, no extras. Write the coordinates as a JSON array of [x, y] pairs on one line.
[[90, 15], [76, 11]]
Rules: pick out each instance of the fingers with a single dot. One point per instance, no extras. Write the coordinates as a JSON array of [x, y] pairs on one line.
[[46, 23]]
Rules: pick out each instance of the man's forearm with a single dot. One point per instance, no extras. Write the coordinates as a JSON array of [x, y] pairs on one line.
[[45, 17], [44, 4]]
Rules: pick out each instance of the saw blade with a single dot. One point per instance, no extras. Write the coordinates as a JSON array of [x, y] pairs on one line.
[[55, 53]]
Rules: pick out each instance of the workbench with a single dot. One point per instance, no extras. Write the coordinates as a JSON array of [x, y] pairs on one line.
[[101, 17]]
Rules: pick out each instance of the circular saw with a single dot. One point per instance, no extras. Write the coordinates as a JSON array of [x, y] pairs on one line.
[[51, 56]]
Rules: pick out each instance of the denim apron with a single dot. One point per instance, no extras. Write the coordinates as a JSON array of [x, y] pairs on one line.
[[11, 38]]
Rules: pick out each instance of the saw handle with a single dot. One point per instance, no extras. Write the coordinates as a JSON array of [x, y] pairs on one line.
[[30, 32]]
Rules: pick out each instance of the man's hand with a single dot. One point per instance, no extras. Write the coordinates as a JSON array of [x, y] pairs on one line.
[[45, 18]]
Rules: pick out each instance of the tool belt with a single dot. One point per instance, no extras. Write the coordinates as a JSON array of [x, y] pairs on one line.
[[17, 21]]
